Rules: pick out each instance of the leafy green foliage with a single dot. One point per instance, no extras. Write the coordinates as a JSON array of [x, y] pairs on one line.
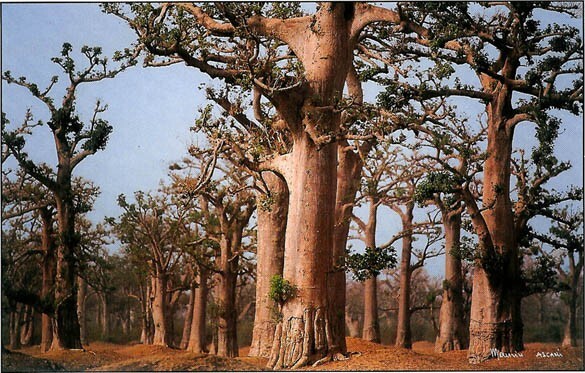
[[371, 263], [281, 290], [432, 183]]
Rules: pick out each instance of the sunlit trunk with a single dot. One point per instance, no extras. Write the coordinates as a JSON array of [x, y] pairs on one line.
[[272, 214], [197, 337], [452, 333]]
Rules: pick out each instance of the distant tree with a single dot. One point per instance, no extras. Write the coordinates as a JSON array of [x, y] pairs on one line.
[[566, 236], [74, 141]]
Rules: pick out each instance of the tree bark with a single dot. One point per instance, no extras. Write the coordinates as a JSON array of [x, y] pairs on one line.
[[497, 269], [27, 328], [227, 335], [65, 324], [104, 316], [452, 333], [353, 325], [197, 337], [371, 330], [81, 296], [570, 332], [188, 318], [14, 325], [349, 169], [159, 310], [304, 334], [48, 276], [270, 262], [403, 331]]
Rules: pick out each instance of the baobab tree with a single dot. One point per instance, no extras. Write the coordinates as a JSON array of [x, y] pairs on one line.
[[529, 57], [149, 228], [300, 64], [74, 141]]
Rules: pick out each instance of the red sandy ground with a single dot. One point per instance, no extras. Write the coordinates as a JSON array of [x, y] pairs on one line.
[[364, 356]]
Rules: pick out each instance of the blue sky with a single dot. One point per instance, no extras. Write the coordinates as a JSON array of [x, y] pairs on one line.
[[151, 110]]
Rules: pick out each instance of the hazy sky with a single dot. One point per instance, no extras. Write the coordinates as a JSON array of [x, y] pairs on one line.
[[151, 110]]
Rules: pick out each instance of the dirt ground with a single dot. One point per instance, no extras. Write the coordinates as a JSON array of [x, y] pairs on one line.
[[364, 356]]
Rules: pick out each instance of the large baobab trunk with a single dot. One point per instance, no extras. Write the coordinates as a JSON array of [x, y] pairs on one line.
[[188, 318], [159, 310], [403, 332], [270, 262], [496, 272], [197, 337], [353, 325], [304, 334], [65, 323], [452, 334], [48, 276], [81, 296], [227, 335]]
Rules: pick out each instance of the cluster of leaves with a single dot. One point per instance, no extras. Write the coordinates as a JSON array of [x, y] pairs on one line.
[[281, 290], [371, 262], [433, 183]]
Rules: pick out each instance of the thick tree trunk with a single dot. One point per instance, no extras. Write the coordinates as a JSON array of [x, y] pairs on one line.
[[147, 329], [159, 310], [371, 331], [270, 261], [188, 318], [452, 333], [304, 334], [403, 332], [27, 328], [65, 323], [14, 326], [353, 325], [349, 169], [570, 332], [48, 276], [197, 337], [81, 294], [104, 316], [496, 273], [227, 335]]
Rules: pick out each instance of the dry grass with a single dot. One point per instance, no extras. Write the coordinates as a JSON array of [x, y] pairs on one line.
[[365, 356]]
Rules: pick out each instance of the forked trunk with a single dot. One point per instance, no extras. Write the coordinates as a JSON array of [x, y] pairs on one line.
[[304, 334], [452, 334], [65, 322], [496, 273], [81, 294], [188, 318], [197, 337], [159, 310], [403, 332], [270, 260]]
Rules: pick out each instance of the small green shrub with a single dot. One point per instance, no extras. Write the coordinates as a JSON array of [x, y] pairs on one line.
[[281, 290]]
